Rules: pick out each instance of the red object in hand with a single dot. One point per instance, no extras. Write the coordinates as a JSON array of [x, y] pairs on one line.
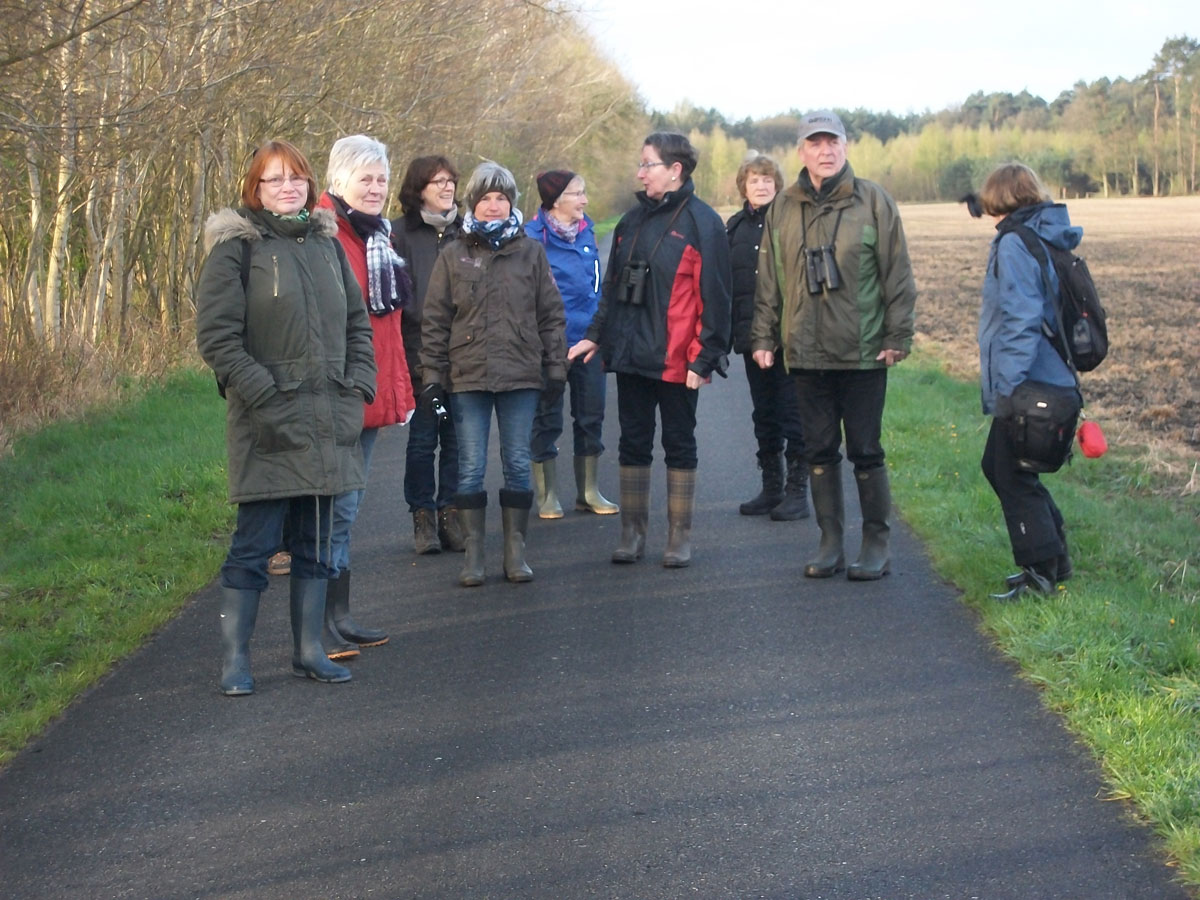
[[1091, 440]]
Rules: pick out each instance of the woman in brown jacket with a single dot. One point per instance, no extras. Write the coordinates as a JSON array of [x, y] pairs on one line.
[[493, 336]]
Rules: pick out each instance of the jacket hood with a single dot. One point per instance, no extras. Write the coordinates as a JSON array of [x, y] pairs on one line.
[[1052, 223], [228, 223]]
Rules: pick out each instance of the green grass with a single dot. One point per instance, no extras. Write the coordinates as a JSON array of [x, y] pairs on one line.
[[1116, 650], [107, 526], [110, 524]]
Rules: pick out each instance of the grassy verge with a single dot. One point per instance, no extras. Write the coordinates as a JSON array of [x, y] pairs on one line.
[[1116, 651], [110, 524], [107, 526]]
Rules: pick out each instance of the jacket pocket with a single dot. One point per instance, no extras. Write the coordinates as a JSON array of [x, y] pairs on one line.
[[278, 422], [347, 411]]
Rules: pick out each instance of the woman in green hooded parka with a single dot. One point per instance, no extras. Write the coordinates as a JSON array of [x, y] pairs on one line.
[[280, 319]]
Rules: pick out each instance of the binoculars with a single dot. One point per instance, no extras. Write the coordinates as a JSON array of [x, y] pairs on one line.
[[822, 269], [631, 283]]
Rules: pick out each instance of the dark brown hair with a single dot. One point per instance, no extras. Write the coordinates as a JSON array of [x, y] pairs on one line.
[[291, 157], [421, 171]]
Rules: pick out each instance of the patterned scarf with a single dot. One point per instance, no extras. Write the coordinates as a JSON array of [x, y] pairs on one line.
[[389, 285], [568, 231], [494, 234]]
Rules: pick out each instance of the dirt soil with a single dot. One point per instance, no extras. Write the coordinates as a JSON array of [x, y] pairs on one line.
[[1144, 255]]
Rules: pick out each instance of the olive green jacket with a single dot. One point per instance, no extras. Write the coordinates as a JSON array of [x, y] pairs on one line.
[[292, 351], [871, 310]]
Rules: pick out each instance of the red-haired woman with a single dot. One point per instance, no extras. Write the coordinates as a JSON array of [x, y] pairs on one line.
[[281, 321]]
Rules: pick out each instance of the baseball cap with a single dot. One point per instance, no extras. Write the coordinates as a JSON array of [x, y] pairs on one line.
[[821, 121]]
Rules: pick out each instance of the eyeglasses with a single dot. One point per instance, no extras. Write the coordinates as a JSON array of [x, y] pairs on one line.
[[441, 183], [579, 193], [649, 165], [276, 181]]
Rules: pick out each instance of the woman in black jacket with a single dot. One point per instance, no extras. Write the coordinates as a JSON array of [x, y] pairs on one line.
[[663, 327], [776, 413]]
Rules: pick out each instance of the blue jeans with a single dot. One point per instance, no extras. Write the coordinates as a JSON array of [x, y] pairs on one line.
[[472, 411], [260, 530], [345, 506], [421, 489], [586, 382]]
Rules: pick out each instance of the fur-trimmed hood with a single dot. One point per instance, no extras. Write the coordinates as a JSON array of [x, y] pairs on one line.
[[229, 223]]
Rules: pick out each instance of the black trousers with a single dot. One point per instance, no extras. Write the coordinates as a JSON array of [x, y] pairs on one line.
[[776, 414], [637, 399], [831, 400], [1033, 521]]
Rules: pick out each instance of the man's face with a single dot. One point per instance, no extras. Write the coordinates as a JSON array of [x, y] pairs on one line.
[[823, 155]]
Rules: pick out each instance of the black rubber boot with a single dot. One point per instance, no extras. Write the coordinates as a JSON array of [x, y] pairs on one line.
[[335, 644], [545, 474], [875, 500], [308, 620], [472, 514], [826, 486], [771, 494], [425, 536], [681, 503], [239, 611], [635, 513], [514, 514], [337, 606], [587, 492], [794, 504]]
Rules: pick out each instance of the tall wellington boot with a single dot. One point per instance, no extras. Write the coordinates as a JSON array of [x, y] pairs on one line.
[[337, 607], [514, 514], [771, 494], [681, 502], [825, 483], [308, 620], [472, 514], [239, 611], [544, 476], [875, 500], [587, 494], [635, 513], [336, 645]]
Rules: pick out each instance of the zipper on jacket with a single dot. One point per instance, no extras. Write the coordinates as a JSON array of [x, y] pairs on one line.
[[275, 263]]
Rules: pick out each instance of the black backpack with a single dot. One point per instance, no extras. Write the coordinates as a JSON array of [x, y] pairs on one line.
[[1082, 336]]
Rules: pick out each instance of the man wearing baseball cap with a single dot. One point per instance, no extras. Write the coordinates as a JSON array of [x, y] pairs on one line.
[[835, 295]]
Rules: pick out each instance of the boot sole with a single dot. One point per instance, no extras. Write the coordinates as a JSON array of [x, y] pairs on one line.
[[305, 673], [606, 511], [342, 654], [817, 572], [854, 575], [378, 643], [238, 691]]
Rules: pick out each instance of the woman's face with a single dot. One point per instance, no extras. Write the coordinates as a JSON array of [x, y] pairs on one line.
[[366, 189], [571, 202], [760, 189], [281, 190], [438, 195], [656, 176], [492, 207]]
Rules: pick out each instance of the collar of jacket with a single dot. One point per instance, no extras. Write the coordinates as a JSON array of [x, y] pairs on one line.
[[538, 229], [838, 187], [669, 199]]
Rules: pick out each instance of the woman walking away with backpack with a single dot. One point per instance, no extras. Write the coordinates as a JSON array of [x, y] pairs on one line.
[[1014, 353], [280, 319]]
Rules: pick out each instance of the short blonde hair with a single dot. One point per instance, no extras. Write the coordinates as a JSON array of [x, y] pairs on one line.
[[1010, 187]]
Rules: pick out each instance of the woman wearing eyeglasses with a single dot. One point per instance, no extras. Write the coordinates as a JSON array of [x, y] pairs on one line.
[[281, 321], [357, 195], [565, 232], [663, 327], [430, 219]]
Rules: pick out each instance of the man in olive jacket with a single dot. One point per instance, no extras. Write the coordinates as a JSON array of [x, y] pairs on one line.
[[835, 291]]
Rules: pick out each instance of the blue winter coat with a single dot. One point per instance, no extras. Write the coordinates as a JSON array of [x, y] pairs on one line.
[[1012, 346], [576, 270]]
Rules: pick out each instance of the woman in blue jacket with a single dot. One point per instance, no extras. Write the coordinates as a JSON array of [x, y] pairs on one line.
[[1018, 296], [565, 231]]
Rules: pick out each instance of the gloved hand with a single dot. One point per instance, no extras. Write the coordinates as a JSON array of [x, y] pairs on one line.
[[554, 382], [431, 399]]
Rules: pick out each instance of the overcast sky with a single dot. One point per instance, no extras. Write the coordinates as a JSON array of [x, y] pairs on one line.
[[898, 56]]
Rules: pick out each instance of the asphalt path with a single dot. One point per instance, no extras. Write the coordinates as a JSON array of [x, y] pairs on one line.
[[728, 730]]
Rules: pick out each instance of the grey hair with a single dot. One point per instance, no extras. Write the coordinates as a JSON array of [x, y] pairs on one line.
[[490, 176], [349, 154]]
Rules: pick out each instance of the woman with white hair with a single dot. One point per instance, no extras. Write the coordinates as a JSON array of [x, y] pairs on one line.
[[357, 193], [493, 336]]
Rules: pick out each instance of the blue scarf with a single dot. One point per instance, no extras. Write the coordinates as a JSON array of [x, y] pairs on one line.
[[495, 234]]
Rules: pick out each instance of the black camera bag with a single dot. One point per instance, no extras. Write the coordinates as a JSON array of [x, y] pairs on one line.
[[1041, 427]]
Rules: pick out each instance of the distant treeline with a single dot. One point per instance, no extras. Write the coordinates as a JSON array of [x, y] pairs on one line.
[[1134, 136]]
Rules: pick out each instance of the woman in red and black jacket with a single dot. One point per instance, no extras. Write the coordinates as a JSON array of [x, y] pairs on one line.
[[663, 327]]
